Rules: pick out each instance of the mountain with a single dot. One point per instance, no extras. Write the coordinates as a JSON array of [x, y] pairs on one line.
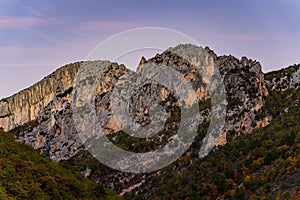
[[48, 102], [257, 153]]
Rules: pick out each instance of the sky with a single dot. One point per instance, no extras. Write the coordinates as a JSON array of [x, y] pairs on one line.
[[37, 37]]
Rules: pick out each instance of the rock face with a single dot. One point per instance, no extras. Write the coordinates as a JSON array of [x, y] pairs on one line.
[[48, 102], [55, 135], [28, 104], [246, 91], [243, 80]]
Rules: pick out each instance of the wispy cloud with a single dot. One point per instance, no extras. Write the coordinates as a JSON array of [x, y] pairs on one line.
[[30, 10], [35, 12], [26, 23], [12, 22]]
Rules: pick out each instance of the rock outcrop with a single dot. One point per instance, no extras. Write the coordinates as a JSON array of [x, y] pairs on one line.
[[28, 104], [243, 80], [246, 91], [55, 134]]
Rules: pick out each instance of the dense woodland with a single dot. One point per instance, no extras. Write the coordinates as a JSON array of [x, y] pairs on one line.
[[25, 174]]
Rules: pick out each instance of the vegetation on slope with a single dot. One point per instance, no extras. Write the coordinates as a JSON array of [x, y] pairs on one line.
[[262, 165], [283, 72], [24, 174]]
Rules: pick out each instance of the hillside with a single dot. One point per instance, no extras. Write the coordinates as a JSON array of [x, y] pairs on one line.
[[264, 164], [257, 154], [25, 174]]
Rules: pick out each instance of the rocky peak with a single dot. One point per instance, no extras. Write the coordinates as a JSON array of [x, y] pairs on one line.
[[141, 64]]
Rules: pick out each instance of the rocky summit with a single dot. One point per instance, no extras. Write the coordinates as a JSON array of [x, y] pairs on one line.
[[42, 115]]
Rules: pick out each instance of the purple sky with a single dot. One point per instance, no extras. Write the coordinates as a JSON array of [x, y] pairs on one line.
[[36, 37]]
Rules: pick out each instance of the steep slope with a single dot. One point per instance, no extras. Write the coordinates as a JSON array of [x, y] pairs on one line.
[[264, 164], [244, 83], [24, 174], [28, 104], [284, 79], [246, 96]]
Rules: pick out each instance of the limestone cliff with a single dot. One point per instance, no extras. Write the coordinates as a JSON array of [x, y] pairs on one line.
[[27, 105], [243, 80]]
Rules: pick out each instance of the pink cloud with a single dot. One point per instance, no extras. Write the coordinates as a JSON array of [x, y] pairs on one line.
[[32, 11], [27, 24], [12, 22], [35, 12]]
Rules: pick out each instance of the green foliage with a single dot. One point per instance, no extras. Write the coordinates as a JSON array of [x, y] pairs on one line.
[[283, 72], [24, 174], [278, 101], [233, 102], [26, 127], [260, 165]]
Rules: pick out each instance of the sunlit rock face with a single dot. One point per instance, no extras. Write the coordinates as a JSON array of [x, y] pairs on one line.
[[49, 104], [49, 101], [26, 105], [243, 80]]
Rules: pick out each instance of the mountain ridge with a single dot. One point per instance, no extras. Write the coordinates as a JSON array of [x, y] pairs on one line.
[[44, 100], [253, 103]]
